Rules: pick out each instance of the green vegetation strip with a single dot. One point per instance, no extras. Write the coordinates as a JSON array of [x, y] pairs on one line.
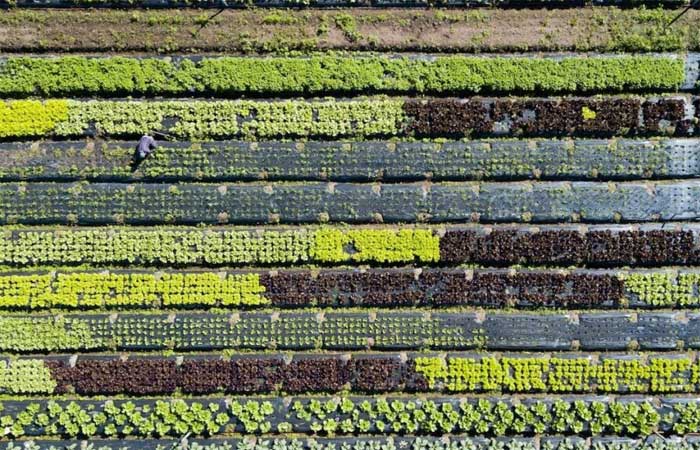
[[229, 76], [168, 290], [216, 246], [343, 161], [521, 373], [390, 443], [347, 416], [203, 119], [664, 289]]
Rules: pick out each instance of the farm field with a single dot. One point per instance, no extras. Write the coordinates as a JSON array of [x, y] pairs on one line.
[[365, 225]]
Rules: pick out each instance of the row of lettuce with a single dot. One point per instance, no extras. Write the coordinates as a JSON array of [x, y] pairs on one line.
[[71, 289], [357, 118], [358, 373], [506, 159], [349, 415], [356, 74], [500, 245], [400, 329], [44, 203], [390, 443]]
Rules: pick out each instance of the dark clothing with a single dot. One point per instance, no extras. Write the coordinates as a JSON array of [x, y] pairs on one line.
[[145, 147]]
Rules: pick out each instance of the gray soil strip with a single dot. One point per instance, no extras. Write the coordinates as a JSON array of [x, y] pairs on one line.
[[594, 159]]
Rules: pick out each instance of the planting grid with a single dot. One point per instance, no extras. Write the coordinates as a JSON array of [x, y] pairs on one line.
[[364, 229]]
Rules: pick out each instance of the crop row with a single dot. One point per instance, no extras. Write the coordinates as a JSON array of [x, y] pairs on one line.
[[217, 246], [390, 443], [348, 288], [365, 117], [499, 245], [618, 159], [257, 203], [402, 329], [331, 3], [116, 290], [69, 289], [596, 246], [609, 245], [376, 288], [349, 415], [268, 374], [232, 76]]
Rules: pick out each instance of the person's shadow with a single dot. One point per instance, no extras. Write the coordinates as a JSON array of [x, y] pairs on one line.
[[136, 160]]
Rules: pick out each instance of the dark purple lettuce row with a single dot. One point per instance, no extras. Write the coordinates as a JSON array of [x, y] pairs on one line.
[[615, 116], [242, 375], [602, 248], [442, 287]]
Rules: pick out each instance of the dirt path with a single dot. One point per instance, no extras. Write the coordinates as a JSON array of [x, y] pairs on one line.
[[282, 31]]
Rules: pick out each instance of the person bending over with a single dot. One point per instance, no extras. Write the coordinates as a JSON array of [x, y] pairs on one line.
[[146, 146]]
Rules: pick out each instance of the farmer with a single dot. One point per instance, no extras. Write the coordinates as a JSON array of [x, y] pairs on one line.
[[145, 147]]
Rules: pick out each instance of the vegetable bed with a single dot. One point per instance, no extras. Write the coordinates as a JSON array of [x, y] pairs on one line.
[[354, 330], [357, 118], [375, 288], [186, 203], [605, 245], [228, 76], [347, 415], [392, 161], [364, 225], [641, 373]]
